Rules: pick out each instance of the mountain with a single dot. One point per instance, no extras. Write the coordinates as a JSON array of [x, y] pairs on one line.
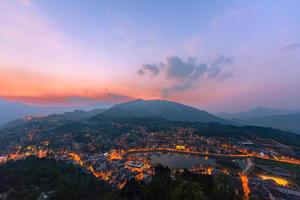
[[266, 117], [290, 122], [158, 108], [12, 110], [225, 115], [257, 112], [75, 115]]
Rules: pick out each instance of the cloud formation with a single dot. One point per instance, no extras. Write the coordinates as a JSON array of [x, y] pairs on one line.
[[152, 69], [179, 69], [178, 87], [184, 73], [292, 46], [215, 66]]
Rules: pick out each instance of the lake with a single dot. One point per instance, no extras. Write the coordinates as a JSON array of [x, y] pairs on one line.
[[178, 160]]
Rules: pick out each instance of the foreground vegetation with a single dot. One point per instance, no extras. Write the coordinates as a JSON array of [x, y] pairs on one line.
[[34, 178]]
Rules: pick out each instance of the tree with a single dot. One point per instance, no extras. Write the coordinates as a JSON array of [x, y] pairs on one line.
[[132, 191], [159, 187], [187, 190], [224, 188]]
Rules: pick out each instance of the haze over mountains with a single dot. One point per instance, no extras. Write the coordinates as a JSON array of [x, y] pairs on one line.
[[276, 118], [75, 115], [12, 110], [135, 109], [256, 113], [289, 122], [281, 119]]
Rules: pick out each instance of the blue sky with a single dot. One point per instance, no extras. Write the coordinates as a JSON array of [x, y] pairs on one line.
[[245, 53]]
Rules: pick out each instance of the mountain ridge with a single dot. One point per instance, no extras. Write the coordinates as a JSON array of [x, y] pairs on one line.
[[256, 112], [75, 115], [159, 108], [289, 122], [14, 110]]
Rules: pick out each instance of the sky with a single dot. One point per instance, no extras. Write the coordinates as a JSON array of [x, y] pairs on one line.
[[215, 55]]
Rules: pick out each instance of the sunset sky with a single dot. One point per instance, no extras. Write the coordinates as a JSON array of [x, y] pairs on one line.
[[215, 55]]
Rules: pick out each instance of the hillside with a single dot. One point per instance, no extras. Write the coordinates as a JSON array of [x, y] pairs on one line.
[[158, 108], [75, 115], [257, 112], [13, 110], [34, 178], [289, 122]]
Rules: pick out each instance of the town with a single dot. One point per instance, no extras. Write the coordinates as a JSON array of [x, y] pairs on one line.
[[134, 154]]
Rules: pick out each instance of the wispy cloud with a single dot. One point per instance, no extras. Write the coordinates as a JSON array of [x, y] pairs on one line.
[[291, 47], [215, 66], [65, 100]]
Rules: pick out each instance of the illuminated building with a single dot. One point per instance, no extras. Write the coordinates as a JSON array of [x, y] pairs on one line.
[[180, 147]]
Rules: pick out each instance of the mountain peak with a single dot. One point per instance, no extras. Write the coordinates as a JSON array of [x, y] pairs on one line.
[[158, 108]]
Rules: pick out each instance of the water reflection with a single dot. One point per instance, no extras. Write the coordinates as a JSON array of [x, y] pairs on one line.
[[177, 160]]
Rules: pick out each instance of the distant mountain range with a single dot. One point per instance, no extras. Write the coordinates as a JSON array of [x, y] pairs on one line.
[[12, 110], [75, 115], [290, 122], [158, 108], [281, 119], [256, 113]]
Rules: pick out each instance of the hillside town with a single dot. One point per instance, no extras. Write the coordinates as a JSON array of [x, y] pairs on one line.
[[133, 153]]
